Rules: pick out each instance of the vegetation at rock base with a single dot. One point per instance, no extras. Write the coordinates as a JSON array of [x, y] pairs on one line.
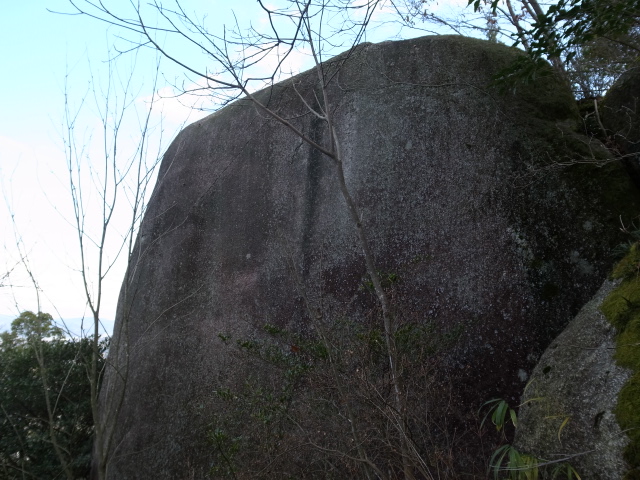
[[315, 393], [46, 428], [509, 462], [589, 42]]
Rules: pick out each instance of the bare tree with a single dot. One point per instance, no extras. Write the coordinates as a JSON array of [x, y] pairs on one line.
[[109, 179], [236, 65]]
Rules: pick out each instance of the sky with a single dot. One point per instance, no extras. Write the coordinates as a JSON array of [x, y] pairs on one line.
[[50, 60], [42, 53]]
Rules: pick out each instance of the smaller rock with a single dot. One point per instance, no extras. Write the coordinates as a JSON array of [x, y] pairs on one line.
[[568, 405]]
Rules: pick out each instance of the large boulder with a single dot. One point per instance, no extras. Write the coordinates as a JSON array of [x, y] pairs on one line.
[[486, 240]]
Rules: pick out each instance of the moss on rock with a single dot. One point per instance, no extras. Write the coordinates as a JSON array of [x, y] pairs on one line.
[[622, 304], [629, 265], [622, 309], [628, 415]]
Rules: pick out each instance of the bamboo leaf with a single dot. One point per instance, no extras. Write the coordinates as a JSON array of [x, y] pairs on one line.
[[564, 423]]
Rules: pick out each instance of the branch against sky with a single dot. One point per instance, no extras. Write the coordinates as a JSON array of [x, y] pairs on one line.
[[589, 43], [230, 60]]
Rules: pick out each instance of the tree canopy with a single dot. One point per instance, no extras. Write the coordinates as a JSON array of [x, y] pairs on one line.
[[46, 427], [596, 40], [590, 42]]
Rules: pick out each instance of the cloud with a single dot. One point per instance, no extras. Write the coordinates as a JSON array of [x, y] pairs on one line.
[[176, 110], [284, 63]]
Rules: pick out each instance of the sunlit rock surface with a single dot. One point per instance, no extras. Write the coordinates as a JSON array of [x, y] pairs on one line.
[[463, 194]]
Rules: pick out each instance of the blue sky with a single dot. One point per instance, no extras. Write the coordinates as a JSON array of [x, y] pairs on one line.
[[36, 47], [39, 50]]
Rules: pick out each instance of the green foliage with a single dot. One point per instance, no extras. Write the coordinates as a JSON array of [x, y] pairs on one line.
[[628, 416], [516, 465], [36, 347], [30, 329], [594, 41], [630, 264], [597, 39], [478, 3], [253, 414], [326, 395], [509, 462], [501, 413], [622, 305], [524, 70], [258, 429], [573, 23], [226, 447], [564, 471]]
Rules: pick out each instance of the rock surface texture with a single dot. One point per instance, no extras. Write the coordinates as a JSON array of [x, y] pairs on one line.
[[621, 119], [569, 406], [492, 242]]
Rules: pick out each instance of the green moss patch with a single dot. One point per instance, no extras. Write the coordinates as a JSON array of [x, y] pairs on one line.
[[628, 415], [629, 265], [622, 309], [623, 304]]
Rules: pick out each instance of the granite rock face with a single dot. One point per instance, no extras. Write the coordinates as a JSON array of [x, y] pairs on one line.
[[462, 196], [569, 406]]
